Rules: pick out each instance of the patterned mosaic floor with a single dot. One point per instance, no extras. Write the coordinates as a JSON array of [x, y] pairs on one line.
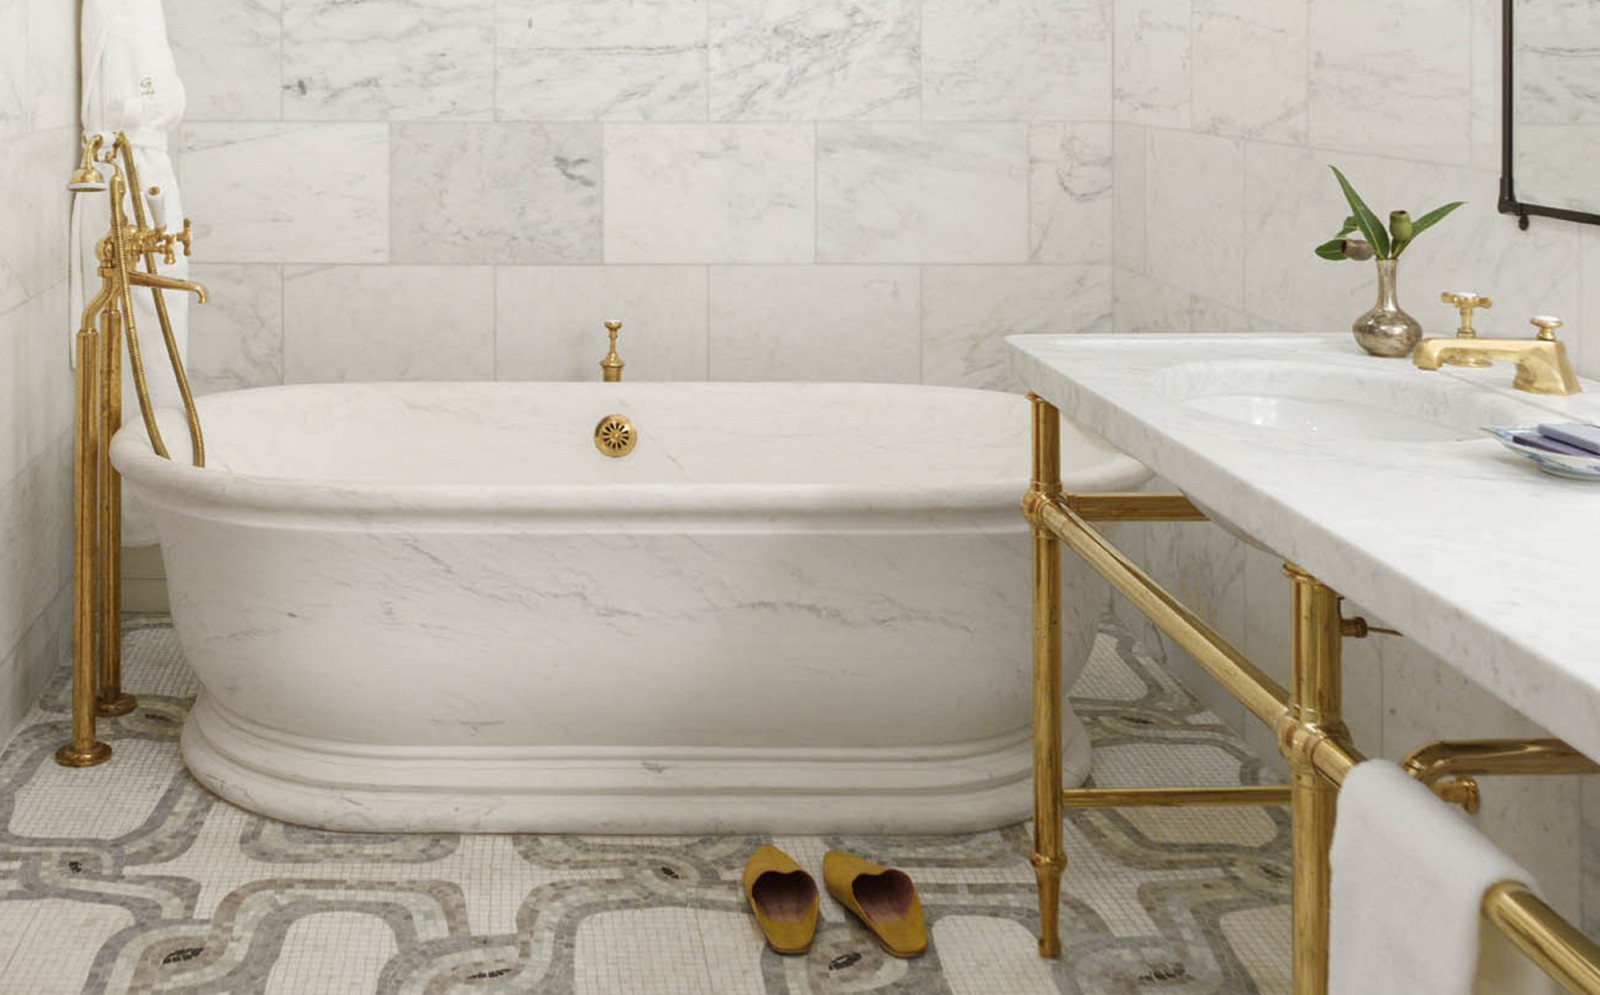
[[132, 878]]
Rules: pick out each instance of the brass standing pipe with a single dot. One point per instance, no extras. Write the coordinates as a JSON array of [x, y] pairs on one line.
[[107, 322], [84, 750], [111, 700]]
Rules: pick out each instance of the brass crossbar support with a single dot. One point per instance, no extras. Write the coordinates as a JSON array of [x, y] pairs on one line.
[[1307, 720], [1244, 794]]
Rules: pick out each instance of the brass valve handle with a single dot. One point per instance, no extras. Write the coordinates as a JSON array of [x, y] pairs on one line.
[[611, 366], [1465, 304], [1547, 326]]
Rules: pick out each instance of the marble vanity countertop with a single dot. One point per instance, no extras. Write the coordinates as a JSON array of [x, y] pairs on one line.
[[1476, 555]]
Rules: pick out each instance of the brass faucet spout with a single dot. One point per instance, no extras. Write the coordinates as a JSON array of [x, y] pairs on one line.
[[1542, 364], [139, 279]]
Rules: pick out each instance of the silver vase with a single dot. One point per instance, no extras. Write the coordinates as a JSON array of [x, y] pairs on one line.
[[1387, 330]]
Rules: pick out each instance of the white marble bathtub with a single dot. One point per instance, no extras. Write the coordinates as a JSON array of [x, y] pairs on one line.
[[437, 607]]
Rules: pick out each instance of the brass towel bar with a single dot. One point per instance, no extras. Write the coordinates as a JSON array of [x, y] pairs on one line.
[[1306, 718]]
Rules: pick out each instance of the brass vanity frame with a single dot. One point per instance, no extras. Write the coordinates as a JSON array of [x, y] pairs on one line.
[[1307, 718]]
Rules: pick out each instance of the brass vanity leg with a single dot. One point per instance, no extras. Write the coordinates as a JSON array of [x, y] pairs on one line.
[[84, 750], [108, 570], [1049, 856], [1316, 701]]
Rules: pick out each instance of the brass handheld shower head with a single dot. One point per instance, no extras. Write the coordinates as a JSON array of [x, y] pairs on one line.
[[87, 178]]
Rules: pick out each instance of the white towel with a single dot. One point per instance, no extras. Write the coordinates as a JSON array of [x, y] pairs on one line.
[[1409, 875]]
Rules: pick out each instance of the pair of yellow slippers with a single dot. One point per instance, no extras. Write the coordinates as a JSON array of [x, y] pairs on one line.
[[784, 900]]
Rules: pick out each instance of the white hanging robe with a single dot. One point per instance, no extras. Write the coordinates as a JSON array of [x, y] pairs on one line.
[[131, 84]]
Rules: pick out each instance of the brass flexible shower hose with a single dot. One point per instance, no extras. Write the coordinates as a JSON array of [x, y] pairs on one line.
[[141, 387]]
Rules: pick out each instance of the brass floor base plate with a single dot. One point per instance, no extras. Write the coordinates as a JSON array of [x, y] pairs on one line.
[[112, 707], [95, 755]]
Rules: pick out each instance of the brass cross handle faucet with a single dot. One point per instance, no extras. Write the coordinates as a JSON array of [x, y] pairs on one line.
[[611, 366], [1542, 364], [1465, 304]]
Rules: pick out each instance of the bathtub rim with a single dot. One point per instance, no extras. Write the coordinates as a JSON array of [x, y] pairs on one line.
[[180, 486]]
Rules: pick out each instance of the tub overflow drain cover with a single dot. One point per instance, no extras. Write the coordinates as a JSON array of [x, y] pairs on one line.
[[615, 436]]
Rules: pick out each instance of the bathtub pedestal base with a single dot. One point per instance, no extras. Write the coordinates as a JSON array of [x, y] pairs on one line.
[[341, 786]]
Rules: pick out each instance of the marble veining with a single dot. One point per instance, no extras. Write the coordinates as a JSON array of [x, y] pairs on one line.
[[1507, 614], [710, 193], [922, 192], [496, 193], [600, 60], [1071, 182], [714, 633], [1016, 60], [815, 60], [419, 59], [230, 57], [238, 338], [313, 193]]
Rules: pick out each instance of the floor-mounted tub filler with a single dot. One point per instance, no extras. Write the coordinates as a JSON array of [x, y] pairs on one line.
[[469, 607]]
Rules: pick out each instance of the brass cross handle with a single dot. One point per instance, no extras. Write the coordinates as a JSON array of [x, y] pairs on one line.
[[1465, 304], [1547, 326]]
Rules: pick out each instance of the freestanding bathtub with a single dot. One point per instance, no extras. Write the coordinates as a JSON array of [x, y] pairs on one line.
[[440, 607]]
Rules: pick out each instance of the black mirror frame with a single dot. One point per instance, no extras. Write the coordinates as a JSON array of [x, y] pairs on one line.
[[1509, 204]]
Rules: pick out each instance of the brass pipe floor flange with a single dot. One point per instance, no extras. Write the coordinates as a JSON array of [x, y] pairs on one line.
[[122, 704], [94, 756]]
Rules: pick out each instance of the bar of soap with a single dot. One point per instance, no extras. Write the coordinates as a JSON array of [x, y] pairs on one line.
[[1585, 437]]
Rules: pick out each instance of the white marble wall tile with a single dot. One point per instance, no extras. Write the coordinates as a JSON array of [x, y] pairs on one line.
[[229, 56], [1145, 304], [1292, 205], [310, 193], [1554, 165], [35, 539], [1487, 42], [1535, 819], [392, 322], [380, 60], [1250, 68], [1583, 338], [496, 193], [1152, 53], [1392, 77], [600, 60], [36, 381], [710, 193], [15, 100], [236, 341], [815, 323], [1194, 228], [967, 311], [801, 60], [33, 213], [550, 321], [46, 645], [1589, 844], [1129, 193], [52, 64], [1016, 60], [922, 193], [1070, 178]]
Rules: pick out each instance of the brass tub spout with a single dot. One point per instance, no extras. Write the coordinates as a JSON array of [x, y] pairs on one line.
[[168, 283]]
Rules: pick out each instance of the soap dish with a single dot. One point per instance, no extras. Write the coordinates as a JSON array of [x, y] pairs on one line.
[[1558, 464]]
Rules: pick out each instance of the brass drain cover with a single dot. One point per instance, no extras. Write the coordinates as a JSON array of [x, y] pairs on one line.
[[615, 436]]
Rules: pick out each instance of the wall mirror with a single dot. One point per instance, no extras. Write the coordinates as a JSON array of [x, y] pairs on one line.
[[1550, 135]]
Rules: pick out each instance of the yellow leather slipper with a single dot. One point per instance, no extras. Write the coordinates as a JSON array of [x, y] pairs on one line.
[[883, 898], [783, 898]]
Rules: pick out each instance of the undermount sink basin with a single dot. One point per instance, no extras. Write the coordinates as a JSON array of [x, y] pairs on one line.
[[1393, 404]]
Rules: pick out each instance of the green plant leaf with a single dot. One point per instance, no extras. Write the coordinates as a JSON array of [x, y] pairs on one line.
[[1433, 217], [1368, 222], [1333, 250]]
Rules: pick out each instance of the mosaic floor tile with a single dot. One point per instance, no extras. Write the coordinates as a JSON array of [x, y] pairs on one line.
[[132, 878]]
